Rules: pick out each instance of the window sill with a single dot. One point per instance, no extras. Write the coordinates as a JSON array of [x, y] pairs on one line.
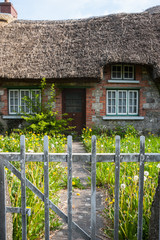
[[123, 81], [12, 117], [123, 118]]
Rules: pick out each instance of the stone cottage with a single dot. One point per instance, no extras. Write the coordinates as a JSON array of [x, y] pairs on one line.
[[106, 69]]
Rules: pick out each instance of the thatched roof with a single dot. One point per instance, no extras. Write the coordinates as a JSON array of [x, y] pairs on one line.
[[79, 48]]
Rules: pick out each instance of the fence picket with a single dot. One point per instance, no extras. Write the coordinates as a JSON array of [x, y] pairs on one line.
[[2, 203], [23, 188], [141, 183], [117, 173], [46, 187], [69, 160], [93, 189]]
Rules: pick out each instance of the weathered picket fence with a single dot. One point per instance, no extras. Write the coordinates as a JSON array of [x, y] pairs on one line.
[[69, 157]]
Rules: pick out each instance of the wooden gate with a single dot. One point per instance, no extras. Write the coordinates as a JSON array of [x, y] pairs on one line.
[[93, 157], [45, 157]]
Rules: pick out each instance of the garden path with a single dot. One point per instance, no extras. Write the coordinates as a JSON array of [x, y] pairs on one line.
[[81, 203]]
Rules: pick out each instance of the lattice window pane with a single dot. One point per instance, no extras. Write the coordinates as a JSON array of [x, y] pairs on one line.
[[35, 100], [111, 102], [116, 72], [13, 102], [122, 102], [24, 105], [133, 102], [128, 72]]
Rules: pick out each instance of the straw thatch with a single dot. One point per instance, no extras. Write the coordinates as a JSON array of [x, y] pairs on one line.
[[79, 48]]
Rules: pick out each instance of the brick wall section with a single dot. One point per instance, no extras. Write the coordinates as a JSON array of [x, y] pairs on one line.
[[96, 98], [4, 102], [58, 103], [57, 106]]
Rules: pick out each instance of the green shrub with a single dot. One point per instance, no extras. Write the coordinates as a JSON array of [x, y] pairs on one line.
[[45, 120]]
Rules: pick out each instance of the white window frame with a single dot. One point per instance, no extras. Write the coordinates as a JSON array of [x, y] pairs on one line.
[[133, 105], [19, 91], [117, 65], [123, 72], [127, 113], [127, 65], [21, 99], [122, 104], [35, 90], [13, 90], [111, 101]]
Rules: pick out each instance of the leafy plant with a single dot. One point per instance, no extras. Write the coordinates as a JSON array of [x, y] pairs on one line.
[[44, 119], [35, 174], [129, 174]]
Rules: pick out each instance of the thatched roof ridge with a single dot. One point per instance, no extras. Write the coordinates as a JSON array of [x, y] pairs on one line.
[[78, 48]]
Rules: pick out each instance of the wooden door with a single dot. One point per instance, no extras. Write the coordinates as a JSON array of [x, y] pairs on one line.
[[74, 104]]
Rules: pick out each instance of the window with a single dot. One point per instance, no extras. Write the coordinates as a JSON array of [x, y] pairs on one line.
[[122, 72], [122, 102], [18, 104]]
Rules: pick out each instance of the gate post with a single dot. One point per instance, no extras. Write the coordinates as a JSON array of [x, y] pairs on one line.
[[69, 160], [93, 189], [2, 203]]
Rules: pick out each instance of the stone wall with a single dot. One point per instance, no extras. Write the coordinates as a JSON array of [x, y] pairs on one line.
[[149, 102]]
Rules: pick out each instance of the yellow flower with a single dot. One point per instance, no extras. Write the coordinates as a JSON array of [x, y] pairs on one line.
[[107, 168], [130, 178], [78, 194], [106, 199], [90, 130], [73, 183], [111, 203], [150, 166], [149, 177]]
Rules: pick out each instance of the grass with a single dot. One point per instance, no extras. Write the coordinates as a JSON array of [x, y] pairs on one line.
[[129, 174], [34, 173]]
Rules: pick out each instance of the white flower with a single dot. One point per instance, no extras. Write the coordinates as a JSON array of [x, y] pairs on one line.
[[102, 146], [135, 178], [0, 150], [30, 151], [146, 173], [123, 186], [52, 145], [145, 178], [158, 165]]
